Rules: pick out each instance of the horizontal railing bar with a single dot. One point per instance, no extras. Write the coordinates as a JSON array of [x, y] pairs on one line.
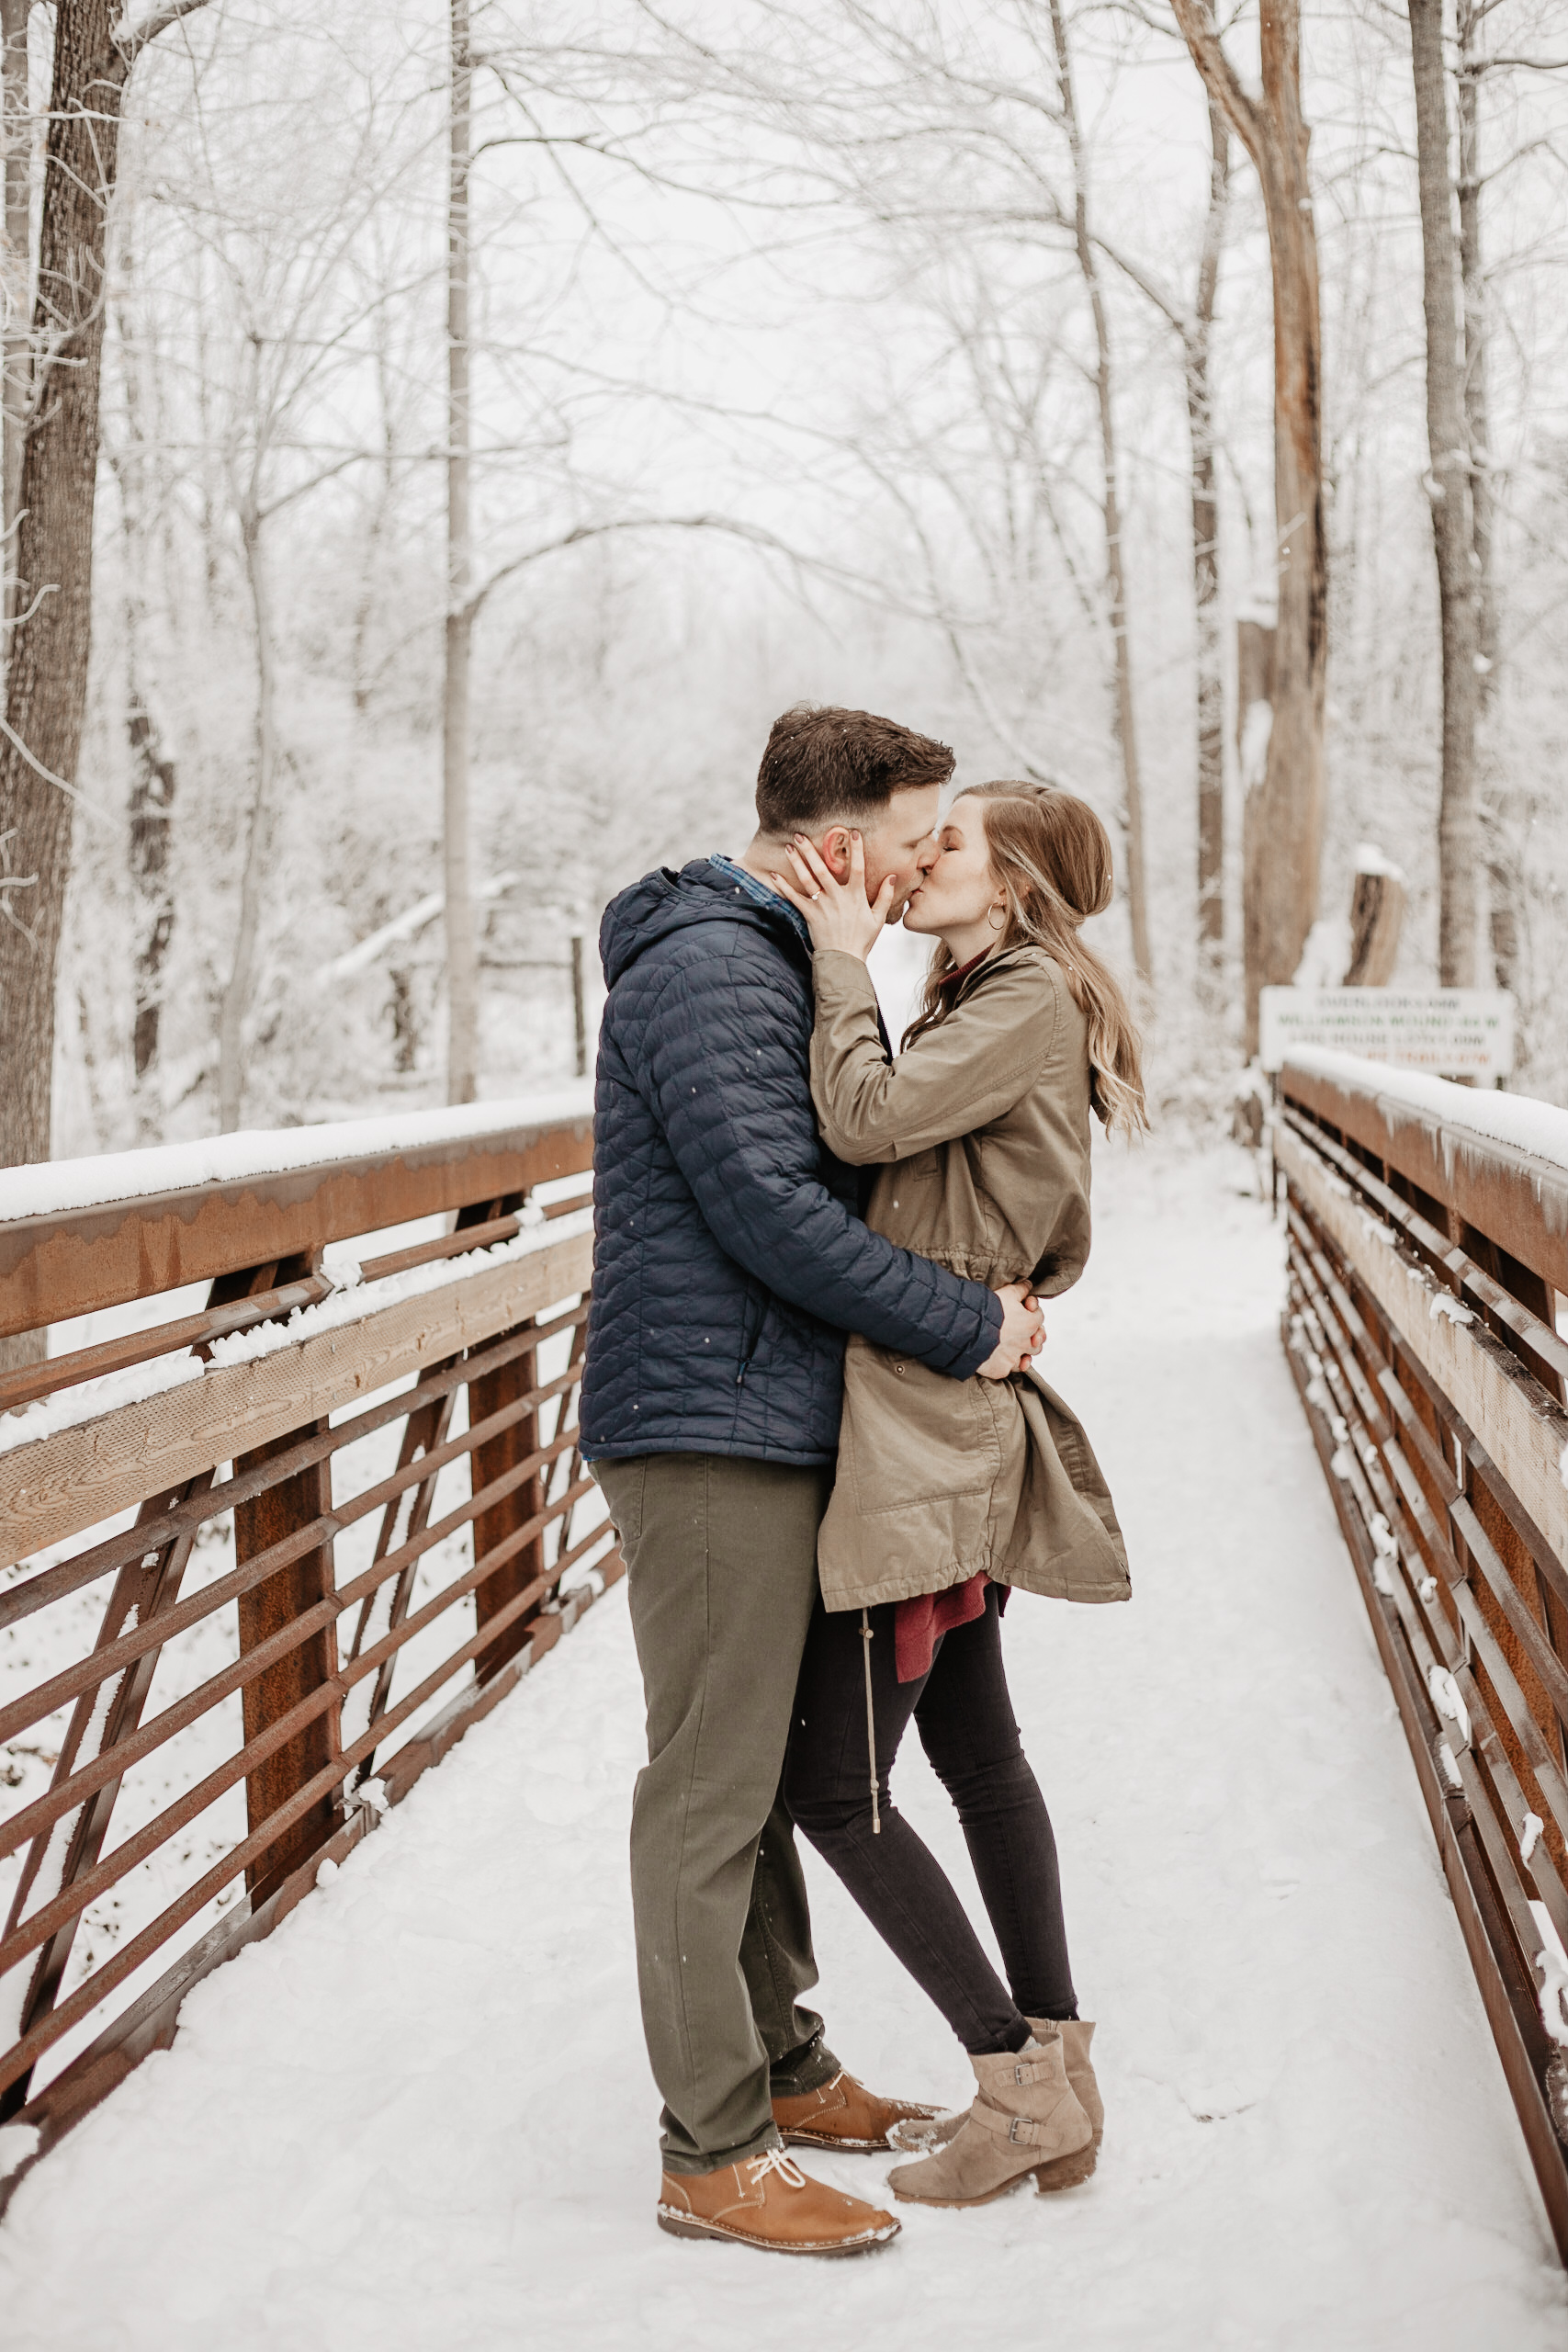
[[1509, 1598], [458, 1243], [1478, 1823], [1482, 1797], [59, 1265], [70, 1576], [1508, 1191], [46, 1379], [84, 1891], [1415, 1433], [1417, 1644], [1518, 1712], [496, 1557], [148, 2023], [1515, 1706], [1498, 1581], [102, 1664], [1388, 1386], [583, 1544], [24, 2054], [1511, 1799], [1538, 1336], [1491, 1478], [37, 1926], [114, 1762], [1413, 1494], [462, 1239], [1378, 1429], [1487, 1471], [1431, 1637], [1505, 1871]]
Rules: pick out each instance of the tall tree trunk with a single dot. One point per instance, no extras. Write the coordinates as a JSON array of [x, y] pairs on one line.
[[46, 682], [1206, 574], [1448, 488], [241, 977], [462, 959], [1124, 716], [1282, 823], [153, 777], [151, 825], [14, 270], [1503, 875]]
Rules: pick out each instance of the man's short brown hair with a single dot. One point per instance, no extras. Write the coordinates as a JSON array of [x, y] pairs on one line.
[[823, 762]]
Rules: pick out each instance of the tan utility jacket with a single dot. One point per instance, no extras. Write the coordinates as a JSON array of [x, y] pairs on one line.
[[981, 1134]]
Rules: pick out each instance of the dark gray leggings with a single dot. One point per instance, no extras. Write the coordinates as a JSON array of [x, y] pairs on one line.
[[964, 1718]]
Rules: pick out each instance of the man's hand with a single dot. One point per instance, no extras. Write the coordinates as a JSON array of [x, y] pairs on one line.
[[1022, 1334], [837, 914]]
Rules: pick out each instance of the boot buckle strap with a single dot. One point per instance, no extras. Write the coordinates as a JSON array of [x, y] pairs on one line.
[[1019, 2129]]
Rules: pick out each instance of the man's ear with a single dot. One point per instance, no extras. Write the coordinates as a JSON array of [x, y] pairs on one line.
[[834, 851]]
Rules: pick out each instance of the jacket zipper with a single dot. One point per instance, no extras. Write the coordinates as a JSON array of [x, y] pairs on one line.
[[749, 1340]]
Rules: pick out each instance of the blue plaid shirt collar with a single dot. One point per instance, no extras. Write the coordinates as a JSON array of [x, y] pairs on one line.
[[760, 895]]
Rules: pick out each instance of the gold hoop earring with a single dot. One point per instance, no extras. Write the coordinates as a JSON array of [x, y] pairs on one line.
[[996, 917]]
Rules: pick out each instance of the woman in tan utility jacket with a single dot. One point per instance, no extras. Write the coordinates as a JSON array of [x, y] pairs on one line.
[[950, 1492]]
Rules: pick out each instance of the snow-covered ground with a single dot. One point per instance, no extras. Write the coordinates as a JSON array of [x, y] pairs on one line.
[[419, 2118]]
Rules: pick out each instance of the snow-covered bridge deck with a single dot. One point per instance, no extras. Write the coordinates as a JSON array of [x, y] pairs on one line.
[[419, 2116]]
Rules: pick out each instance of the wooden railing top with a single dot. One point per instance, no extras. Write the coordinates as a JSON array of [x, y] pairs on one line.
[[80, 1235], [1498, 1161]]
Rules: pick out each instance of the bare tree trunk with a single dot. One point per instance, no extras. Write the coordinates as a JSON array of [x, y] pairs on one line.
[[151, 825], [1115, 577], [1282, 825], [153, 779], [241, 977], [14, 271], [1473, 275], [46, 683], [1448, 488], [1504, 878], [462, 959], [1206, 574]]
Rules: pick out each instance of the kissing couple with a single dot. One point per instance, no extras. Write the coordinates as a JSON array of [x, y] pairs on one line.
[[810, 1402]]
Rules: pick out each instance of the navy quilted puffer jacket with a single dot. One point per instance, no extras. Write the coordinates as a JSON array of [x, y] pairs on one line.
[[729, 1259]]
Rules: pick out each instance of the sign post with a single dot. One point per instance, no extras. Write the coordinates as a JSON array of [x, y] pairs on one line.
[[1454, 1032]]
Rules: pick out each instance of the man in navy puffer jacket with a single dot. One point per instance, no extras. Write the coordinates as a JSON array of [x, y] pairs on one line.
[[730, 1265]]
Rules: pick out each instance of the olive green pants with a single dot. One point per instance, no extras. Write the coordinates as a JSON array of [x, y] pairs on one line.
[[721, 1560]]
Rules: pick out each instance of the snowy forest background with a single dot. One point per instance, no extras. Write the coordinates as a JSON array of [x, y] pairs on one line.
[[783, 388]]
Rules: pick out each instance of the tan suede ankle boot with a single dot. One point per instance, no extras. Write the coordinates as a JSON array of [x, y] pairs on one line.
[[1069, 2171], [1025, 2116], [918, 2137]]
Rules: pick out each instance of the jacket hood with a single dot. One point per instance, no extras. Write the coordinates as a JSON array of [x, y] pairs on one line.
[[665, 901]]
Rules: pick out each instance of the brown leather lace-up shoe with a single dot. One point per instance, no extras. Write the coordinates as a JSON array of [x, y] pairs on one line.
[[768, 2202], [844, 2114]]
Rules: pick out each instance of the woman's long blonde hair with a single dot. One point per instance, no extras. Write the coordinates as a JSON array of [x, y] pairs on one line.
[[1052, 855]]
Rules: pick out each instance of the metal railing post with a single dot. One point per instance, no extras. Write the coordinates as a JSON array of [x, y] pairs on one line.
[[491, 1459]]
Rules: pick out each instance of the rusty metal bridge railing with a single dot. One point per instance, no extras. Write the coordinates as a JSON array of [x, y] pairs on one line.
[[1428, 1255], [307, 1511]]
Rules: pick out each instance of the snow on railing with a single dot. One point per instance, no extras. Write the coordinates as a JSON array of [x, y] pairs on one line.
[[1472, 1119], [253, 1534], [1427, 1257], [53, 1188]]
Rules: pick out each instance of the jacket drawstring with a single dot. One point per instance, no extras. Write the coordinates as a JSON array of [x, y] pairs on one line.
[[870, 1723]]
